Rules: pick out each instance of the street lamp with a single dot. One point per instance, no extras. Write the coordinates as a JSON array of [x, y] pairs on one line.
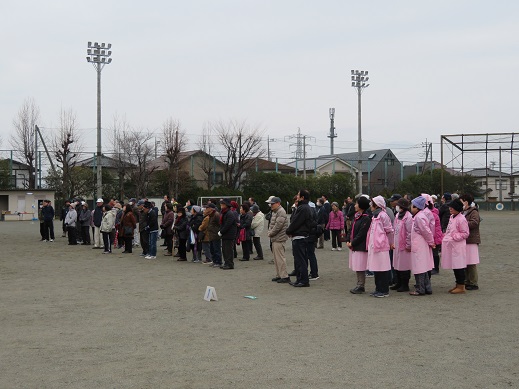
[[98, 55], [359, 81]]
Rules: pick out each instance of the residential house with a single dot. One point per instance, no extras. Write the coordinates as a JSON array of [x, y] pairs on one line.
[[18, 173], [492, 182], [381, 169], [322, 165], [206, 170], [421, 167]]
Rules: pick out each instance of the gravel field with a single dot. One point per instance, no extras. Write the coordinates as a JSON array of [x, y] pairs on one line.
[[73, 318]]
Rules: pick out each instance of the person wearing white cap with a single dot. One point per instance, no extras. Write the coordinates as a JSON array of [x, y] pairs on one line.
[[84, 218], [97, 219], [380, 238]]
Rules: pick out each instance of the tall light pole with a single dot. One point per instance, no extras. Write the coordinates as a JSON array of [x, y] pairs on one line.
[[359, 81], [98, 55]]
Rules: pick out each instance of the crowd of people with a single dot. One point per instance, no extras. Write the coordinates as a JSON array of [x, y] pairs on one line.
[[386, 239]]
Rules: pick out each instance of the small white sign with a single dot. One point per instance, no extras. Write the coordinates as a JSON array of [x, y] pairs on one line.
[[210, 294]]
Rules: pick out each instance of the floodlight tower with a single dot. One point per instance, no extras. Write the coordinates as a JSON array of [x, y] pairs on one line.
[[359, 81], [98, 55]]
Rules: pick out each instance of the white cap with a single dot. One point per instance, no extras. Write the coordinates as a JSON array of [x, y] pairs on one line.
[[270, 199], [83, 203], [100, 200]]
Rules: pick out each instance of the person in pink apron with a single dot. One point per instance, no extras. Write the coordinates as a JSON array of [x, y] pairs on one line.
[[402, 248], [380, 238], [472, 215], [454, 246], [356, 242], [422, 242]]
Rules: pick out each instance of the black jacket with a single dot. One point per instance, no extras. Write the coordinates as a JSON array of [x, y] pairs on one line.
[[98, 216], [312, 236], [180, 227], [228, 227], [327, 209], [445, 216], [301, 220], [48, 213], [321, 216], [246, 222], [350, 211], [196, 221], [360, 228], [151, 220]]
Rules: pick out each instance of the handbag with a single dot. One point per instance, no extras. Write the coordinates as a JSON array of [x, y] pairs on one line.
[[343, 236]]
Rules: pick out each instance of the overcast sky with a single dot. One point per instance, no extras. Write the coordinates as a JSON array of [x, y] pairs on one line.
[[441, 67]]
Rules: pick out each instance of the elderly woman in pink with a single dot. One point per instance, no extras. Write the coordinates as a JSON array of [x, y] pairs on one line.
[[454, 246], [422, 242], [336, 225], [434, 215], [380, 238], [402, 248]]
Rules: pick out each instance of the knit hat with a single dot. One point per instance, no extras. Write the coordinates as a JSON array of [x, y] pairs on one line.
[[336, 204], [395, 197], [234, 204], [456, 204], [447, 196], [427, 198], [211, 205], [226, 202], [419, 202], [196, 208], [254, 208]]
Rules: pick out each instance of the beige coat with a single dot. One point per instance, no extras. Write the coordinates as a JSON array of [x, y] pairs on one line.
[[258, 223], [278, 225]]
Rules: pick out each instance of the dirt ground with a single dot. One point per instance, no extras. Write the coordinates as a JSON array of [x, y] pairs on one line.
[[73, 318]]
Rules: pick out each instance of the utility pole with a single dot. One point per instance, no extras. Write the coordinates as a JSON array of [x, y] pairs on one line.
[[98, 55], [332, 129], [359, 81], [269, 153]]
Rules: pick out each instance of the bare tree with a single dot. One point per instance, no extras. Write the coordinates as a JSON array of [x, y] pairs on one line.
[[174, 142], [120, 128], [241, 145], [23, 140], [206, 165], [138, 151], [67, 146]]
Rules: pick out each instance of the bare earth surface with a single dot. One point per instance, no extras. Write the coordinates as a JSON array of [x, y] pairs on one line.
[[71, 317]]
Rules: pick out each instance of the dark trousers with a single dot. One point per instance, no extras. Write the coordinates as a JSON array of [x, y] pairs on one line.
[[382, 279], [169, 243], [42, 229], [106, 241], [310, 249], [436, 256], [336, 238], [234, 249], [72, 235], [246, 247], [86, 234], [128, 244], [299, 247], [196, 249], [228, 252], [182, 248], [459, 274], [326, 234], [48, 229], [145, 241], [216, 251], [257, 246]]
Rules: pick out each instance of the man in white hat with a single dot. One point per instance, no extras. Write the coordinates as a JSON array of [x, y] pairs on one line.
[[98, 218]]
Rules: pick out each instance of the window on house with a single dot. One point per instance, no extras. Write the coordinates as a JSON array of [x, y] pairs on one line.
[[501, 184]]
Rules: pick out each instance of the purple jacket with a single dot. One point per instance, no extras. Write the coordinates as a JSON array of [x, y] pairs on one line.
[[335, 221]]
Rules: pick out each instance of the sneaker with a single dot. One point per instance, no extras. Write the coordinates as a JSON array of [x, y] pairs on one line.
[[358, 290], [143, 255], [334, 249], [147, 257], [380, 294], [312, 278], [369, 274], [196, 261], [339, 248], [216, 265], [107, 252], [207, 262], [45, 240], [151, 257], [52, 240]]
